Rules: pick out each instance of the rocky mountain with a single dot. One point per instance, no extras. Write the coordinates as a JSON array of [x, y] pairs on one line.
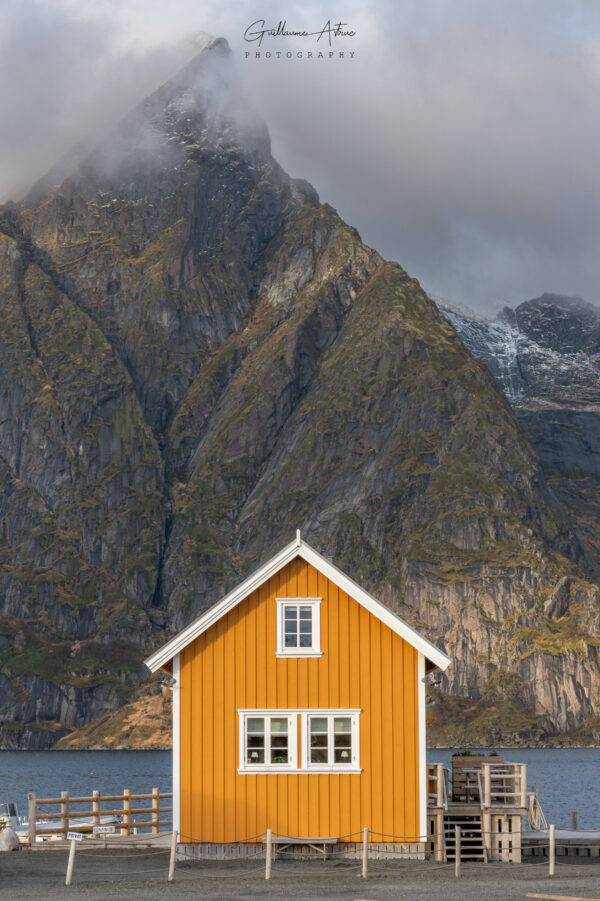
[[545, 355], [198, 357]]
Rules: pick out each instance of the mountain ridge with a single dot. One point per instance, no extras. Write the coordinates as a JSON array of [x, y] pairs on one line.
[[207, 359]]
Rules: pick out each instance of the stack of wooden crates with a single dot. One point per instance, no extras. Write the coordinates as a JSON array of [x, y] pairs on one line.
[[465, 768]]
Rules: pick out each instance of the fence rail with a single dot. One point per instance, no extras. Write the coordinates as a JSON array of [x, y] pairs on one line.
[[67, 819]]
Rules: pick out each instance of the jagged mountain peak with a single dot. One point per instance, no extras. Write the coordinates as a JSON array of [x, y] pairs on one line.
[[561, 301], [543, 352], [563, 324], [170, 214], [200, 110]]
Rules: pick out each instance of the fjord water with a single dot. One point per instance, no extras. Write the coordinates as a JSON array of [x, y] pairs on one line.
[[47, 773], [566, 779]]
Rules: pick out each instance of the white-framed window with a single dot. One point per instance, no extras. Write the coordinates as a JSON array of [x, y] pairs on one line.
[[331, 740], [298, 627], [268, 741]]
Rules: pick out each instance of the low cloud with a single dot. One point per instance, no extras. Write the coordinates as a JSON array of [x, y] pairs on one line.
[[462, 140]]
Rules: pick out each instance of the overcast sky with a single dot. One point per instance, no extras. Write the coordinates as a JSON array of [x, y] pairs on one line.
[[463, 139]]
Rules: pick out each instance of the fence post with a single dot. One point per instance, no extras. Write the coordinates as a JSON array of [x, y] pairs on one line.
[[487, 816], [32, 822], [96, 807], [70, 863], [155, 810], [439, 819], [365, 853], [487, 785], [126, 812], [268, 856], [439, 837], [551, 850], [457, 851], [172, 858], [64, 813], [574, 820]]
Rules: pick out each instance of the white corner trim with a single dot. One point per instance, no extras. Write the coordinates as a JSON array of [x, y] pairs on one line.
[[297, 548], [422, 748], [176, 743]]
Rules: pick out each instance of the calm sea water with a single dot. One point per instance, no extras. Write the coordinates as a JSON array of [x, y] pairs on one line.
[[566, 779], [47, 773]]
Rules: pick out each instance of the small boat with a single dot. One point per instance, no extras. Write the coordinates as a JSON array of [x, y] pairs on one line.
[[9, 816]]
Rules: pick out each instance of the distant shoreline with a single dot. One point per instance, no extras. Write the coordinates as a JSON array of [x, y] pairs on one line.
[[519, 747]]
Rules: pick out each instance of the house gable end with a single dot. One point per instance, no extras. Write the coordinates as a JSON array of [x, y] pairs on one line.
[[296, 549]]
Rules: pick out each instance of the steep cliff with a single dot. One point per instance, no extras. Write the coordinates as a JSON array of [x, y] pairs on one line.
[[545, 355], [197, 358]]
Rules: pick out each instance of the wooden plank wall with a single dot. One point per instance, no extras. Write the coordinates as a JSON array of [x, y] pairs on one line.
[[234, 665]]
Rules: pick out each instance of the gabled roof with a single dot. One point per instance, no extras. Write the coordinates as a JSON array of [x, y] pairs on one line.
[[297, 548]]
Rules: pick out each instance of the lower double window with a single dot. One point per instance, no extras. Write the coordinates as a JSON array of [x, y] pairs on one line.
[[329, 741], [268, 740]]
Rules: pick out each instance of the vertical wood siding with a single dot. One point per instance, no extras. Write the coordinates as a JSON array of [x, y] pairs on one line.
[[364, 665]]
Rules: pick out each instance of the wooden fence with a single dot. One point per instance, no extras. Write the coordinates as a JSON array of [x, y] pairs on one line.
[[65, 819]]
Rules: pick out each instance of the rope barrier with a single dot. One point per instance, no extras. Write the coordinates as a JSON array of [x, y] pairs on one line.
[[228, 875], [124, 875], [382, 850]]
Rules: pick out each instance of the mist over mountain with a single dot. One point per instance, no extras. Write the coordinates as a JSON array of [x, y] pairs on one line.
[[198, 357]]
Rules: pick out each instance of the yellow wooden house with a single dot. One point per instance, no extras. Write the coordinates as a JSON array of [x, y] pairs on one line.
[[299, 706]]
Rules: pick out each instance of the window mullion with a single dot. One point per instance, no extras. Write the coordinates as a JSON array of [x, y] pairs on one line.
[[267, 741]]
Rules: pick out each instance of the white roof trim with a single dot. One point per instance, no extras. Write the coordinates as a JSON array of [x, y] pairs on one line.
[[297, 548]]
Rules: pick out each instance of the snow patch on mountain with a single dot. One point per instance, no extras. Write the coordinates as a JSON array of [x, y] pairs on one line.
[[544, 354]]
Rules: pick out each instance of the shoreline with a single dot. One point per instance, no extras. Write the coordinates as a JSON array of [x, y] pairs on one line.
[[470, 747]]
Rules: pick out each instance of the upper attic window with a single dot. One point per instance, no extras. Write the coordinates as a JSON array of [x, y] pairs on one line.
[[298, 627]]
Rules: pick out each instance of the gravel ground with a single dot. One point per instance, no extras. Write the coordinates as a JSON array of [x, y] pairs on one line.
[[26, 875]]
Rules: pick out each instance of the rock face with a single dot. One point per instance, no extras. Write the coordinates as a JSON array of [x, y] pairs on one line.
[[545, 355], [198, 358]]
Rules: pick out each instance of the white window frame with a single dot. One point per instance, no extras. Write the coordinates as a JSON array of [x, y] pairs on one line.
[[315, 649], [292, 764], [331, 767]]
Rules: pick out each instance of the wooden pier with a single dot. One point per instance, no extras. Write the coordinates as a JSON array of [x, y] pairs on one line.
[[486, 799], [569, 843]]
